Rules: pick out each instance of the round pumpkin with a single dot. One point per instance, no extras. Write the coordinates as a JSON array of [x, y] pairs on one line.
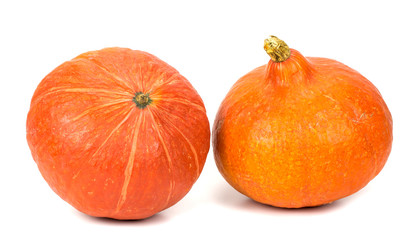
[[301, 132], [118, 133]]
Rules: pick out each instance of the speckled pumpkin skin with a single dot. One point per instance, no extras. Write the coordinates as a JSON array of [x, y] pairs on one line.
[[103, 154], [303, 132]]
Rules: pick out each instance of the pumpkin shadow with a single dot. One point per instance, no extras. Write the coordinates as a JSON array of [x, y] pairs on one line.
[[228, 196], [158, 218]]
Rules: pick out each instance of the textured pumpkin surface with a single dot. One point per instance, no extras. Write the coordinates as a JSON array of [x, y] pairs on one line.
[[105, 154], [302, 132]]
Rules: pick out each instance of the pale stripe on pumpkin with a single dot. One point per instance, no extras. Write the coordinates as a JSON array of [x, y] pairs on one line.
[[130, 163], [172, 182]]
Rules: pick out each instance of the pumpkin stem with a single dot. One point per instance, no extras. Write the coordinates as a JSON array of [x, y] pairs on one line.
[[142, 100], [277, 49]]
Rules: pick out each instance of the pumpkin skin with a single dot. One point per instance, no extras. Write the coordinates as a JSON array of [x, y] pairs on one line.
[[302, 132], [102, 152]]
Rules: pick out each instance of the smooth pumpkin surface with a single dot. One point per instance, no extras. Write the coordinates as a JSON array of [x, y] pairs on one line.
[[301, 131], [118, 133]]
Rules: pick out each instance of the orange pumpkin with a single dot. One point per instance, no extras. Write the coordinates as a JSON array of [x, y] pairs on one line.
[[301, 131], [118, 133]]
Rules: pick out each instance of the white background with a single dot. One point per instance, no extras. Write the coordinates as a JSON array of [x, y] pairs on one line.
[[211, 43]]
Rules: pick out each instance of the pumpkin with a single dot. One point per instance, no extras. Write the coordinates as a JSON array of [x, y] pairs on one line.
[[300, 132], [118, 133]]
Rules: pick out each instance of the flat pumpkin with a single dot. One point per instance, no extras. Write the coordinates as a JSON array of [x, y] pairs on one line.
[[118, 133], [301, 132]]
